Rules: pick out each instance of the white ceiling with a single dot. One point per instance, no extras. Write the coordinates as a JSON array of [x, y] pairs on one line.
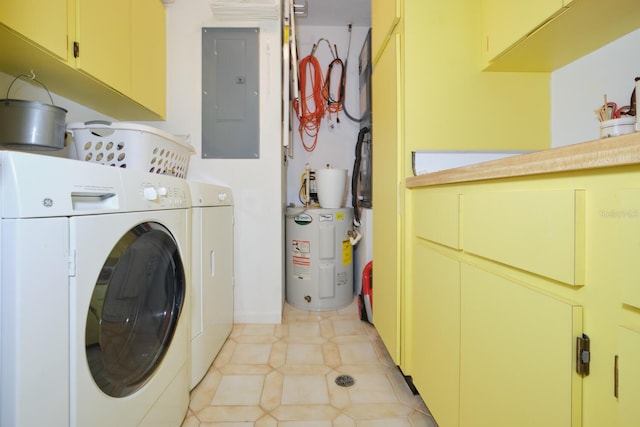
[[336, 13]]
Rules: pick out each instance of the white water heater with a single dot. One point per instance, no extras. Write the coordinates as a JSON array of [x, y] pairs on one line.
[[319, 258]]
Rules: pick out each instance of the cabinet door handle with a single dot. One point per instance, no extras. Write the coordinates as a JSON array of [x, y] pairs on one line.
[[76, 49], [615, 377], [583, 355]]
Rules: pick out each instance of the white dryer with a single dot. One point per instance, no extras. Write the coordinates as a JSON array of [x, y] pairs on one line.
[[94, 296], [212, 274]]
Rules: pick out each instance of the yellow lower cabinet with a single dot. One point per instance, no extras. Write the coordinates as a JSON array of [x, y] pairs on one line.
[[628, 373], [435, 344], [517, 355]]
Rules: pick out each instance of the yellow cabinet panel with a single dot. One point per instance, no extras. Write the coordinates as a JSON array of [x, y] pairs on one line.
[[43, 22], [629, 377], [507, 21], [437, 217], [517, 362], [435, 344], [149, 58], [104, 37], [385, 15], [627, 217], [538, 231], [549, 34], [387, 182]]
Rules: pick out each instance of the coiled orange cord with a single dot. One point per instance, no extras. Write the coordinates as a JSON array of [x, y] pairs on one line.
[[311, 108]]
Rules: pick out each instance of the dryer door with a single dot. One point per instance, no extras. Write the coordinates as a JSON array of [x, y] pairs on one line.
[[134, 309]]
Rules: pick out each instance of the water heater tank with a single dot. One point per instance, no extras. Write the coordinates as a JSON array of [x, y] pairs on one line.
[[319, 258]]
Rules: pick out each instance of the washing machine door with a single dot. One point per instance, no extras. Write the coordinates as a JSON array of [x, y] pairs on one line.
[[134, 309]]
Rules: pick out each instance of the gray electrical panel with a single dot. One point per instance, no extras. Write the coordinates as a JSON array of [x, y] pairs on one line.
[[230, 93]]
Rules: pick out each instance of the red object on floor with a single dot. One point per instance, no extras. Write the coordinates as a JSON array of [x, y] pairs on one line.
[[366, 296]]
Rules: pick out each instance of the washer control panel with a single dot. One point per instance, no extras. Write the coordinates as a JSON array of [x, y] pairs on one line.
[[147, 191], [164, 195]]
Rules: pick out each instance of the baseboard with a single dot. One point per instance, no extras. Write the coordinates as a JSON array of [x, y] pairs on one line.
[[409, 381]]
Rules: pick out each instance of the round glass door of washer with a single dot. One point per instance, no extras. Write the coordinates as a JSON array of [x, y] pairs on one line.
[[134, 309]]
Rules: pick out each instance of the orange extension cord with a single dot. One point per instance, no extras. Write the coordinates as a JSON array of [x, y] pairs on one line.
[[311, 108]]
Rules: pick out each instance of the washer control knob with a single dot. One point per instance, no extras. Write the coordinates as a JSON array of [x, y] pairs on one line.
[[150, 193], [162, 191], [222, 196]]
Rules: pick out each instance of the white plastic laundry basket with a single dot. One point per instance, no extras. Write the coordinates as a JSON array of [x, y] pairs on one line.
[[131, 145]]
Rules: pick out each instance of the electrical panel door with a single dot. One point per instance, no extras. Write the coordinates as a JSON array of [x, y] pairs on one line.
[[230, 93]]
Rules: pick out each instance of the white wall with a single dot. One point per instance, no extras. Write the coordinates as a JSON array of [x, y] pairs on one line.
[[336, 141], [256, 183], [578, 89]]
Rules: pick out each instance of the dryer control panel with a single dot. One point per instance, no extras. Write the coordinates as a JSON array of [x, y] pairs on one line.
[[205, 194]]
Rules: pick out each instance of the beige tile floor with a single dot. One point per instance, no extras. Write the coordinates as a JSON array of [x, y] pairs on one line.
[[284, 376]]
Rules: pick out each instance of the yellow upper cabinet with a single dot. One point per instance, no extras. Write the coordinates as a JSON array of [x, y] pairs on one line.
[[43, 22], [385, 15], [148, 54], [544, 35], [111, 58], [104, 40], [507, 21], [450, 104]]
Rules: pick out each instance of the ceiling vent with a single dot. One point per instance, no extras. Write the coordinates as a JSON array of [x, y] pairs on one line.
[[245, 9]]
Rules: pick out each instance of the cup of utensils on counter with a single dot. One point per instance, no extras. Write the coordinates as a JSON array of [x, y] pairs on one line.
[[614, 120]]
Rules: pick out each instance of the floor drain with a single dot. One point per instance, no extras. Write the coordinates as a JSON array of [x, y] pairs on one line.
[[345, 381]]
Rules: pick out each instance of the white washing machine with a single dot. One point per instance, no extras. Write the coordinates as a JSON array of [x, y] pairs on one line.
[[94, 298], [212, 274]]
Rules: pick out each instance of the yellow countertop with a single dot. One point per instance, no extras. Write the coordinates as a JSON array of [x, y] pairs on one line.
[[601, 153]]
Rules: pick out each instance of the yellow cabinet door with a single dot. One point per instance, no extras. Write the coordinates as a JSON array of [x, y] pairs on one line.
[[385, 15], [43, 22], [149, 59], [517, 357], [507, 21], [387, 182], [628, 377], [103, 32], [435, 341]]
